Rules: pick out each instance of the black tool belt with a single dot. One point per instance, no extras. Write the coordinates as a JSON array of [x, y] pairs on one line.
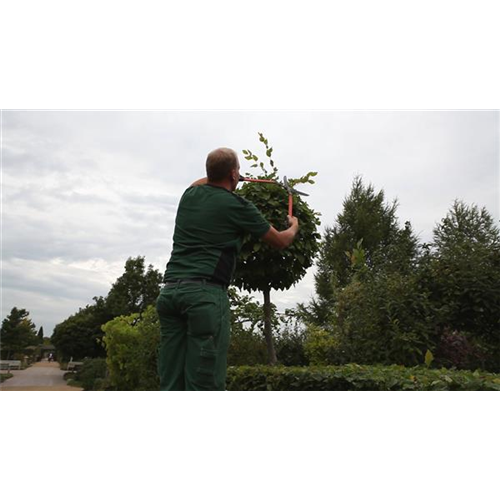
[[199, 281]]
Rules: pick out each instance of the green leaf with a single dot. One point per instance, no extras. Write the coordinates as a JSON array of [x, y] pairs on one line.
[[429, 358]]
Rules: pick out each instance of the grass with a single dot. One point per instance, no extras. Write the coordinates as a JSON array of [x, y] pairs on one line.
[[5, 376]]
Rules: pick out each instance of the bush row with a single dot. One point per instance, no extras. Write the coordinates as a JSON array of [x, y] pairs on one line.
[[358, 378], [325, 378]]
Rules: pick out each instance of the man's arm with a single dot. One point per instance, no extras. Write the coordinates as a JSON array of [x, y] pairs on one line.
[[282, 239], [200, 182]]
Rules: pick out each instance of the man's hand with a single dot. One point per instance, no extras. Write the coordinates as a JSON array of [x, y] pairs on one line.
[[282, 239], [293, 221], [200, 182]]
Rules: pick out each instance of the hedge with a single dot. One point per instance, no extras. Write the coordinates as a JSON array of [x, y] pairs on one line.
[[358, 378]]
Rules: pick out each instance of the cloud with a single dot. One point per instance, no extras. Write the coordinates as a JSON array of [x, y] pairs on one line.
[[85, 190]]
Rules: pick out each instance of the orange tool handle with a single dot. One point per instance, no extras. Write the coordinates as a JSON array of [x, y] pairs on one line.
[[266, 181], [290, 205]]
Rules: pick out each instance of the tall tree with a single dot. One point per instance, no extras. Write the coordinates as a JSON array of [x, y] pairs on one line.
[[366, 229], [135, 289], [80, 335], [40, 335], [17, 333], [464, 271]]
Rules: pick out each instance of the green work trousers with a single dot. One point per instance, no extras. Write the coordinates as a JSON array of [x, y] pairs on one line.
[[195, 330]]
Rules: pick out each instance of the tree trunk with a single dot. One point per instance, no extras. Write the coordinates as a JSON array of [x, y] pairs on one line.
[[268, 334]]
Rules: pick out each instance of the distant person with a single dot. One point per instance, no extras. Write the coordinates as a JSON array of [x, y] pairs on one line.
[[51, 357]]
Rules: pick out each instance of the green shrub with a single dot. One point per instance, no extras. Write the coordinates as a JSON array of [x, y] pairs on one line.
[[321, 347], [103, 384], [290, 350], [131, 345], [149, 331], [383, 318], [358, 378], [247, 345], [460, 350], [122, 341], [246, 348], [91, 371]]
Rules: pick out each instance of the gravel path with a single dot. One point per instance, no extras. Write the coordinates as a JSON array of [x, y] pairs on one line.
[[42, 376]]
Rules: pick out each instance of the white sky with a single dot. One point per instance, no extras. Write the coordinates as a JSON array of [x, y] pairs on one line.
[[85, 190]]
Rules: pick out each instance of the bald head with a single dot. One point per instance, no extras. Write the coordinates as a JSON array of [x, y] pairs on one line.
[[220, 163]]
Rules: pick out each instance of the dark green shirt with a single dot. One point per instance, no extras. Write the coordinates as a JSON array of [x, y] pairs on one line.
[[209, 228]]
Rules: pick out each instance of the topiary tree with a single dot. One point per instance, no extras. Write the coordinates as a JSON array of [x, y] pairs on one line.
[[261, 267]]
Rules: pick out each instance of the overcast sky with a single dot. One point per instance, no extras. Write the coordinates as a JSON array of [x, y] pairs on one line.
[[85, 190]]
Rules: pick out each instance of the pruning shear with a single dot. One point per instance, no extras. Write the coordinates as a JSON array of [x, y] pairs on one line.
[[285, 184], [291, 192]]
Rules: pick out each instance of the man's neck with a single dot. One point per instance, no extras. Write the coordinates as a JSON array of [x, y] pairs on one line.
[[224, 184]]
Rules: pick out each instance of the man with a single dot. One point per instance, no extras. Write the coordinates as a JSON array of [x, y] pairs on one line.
[[193, 306]]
